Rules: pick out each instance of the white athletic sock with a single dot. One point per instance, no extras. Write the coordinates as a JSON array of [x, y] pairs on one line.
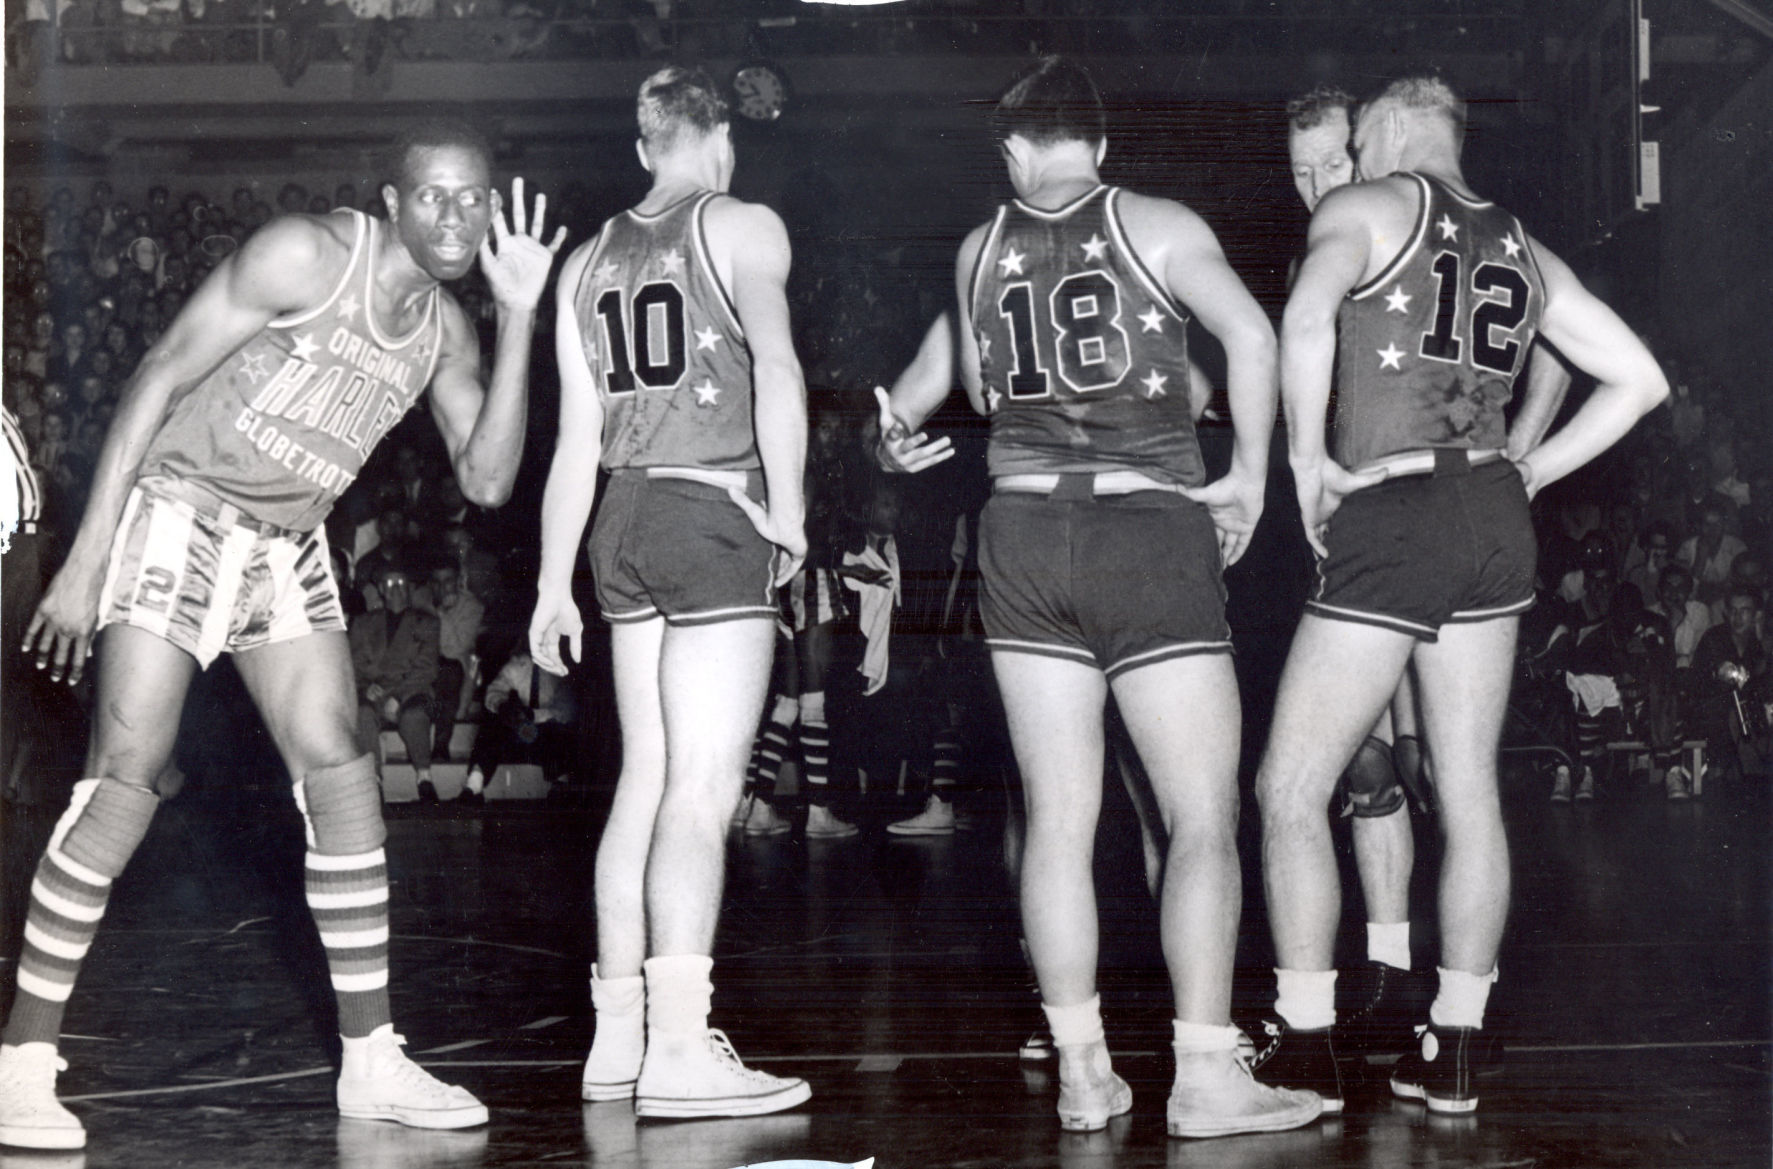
[[679, 993], [1079, 1023], [476, 780], [1461, 999], [1307, 998], [1389, 942], [1195, 1038]]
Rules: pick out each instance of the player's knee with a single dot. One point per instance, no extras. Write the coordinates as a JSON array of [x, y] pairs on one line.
[[105, 821], [342, 806], [812, 707], [1371, 782], [785, 711]]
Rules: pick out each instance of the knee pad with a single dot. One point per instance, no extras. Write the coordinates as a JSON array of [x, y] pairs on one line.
[[812, 707], [1411, 763], [1371, 781], [786, 710], [342, 808], [105, 821]]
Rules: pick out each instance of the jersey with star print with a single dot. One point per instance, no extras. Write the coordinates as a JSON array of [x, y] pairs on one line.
[[284, 425], [1083, 355], [664, 344], [1428, 350]]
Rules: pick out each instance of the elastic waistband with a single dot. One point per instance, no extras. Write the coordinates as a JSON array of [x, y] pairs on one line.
[[1081, 485], [206, 503], [739, 479], [1438, 461]]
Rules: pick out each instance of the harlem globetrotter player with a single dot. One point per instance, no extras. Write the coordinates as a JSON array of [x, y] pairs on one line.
[[676, 359], [1100, 557], [1422, 300], [202, 536]]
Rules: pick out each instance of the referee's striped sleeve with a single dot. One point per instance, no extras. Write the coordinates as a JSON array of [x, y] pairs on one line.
[[30, 496]]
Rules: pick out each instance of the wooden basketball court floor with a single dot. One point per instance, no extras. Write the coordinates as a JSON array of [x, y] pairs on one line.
[[1633, 999]]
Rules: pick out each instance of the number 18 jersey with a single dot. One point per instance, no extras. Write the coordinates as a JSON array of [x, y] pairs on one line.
[[1083, 355], [664, 344], [1427, 351]]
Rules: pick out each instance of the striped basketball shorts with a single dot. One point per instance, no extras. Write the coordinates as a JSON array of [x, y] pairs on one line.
[[813, 597], [209, 579]]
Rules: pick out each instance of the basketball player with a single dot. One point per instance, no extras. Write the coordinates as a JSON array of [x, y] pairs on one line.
[[1100, 557], [1423, 300], [676, 358], [1387, 995], [203, 535]]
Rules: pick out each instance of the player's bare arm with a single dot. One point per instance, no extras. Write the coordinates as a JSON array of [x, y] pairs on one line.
[[1176, 243], [1629, 383], [1547, 383], [287, 265], [572, 480], [1340, 250], [750, 250], [917, 393], [967, 343], [483, 428]]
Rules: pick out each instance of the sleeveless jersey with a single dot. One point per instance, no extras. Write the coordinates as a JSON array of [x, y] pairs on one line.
[[1428, 350], [284, 425], [1082, 353], [664, 344]]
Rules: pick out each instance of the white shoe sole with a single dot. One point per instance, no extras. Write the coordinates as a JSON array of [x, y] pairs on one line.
[[693, 1107], [592, 1093], [1224, 1126], [33, 1137], [441, 1118], [832, 833], [903, 829], [1119, 1103]]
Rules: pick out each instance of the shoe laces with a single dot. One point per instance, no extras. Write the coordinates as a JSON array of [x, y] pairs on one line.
[[1275, 1030], [409, 1074], [722, 1047]]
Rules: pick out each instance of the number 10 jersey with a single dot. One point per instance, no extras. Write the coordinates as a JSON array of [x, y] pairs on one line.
[[663, 342], [1083, 354]]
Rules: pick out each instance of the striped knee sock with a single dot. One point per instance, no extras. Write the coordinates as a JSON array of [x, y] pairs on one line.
[[349, 898], [91, 844], [766, 758], [815, 748], [945, 762]]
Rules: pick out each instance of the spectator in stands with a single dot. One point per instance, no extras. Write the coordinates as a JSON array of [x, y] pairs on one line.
[[1650, 555], [459, 616], [1688, 618], [1724, 478], [479, 568], [391, 545], [1746, 572], [1729, 678], [394, 656], [1710, 554], [530, 721]]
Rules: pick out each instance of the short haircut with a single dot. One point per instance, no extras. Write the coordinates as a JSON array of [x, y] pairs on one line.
[[1311, 110], [1425, 93], [1740, 589], [678, 103], [1055, 101], [431, 134]]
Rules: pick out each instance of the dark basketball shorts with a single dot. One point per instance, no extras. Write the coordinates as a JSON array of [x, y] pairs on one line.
[[1418, 552], [1116, 582], [679, 549], [210, 579]]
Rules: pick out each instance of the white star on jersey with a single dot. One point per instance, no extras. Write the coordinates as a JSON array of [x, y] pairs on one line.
[[348, 307], [1448, 229], [707, 339], [1397, 300], [1012, 262], [1095, 247], [992, 398], [606, 272], [304, 347], [1152, 320], [672, 261], [1154, 384], [707, 394], [253, 366], [1510, 246], [1389, 357]]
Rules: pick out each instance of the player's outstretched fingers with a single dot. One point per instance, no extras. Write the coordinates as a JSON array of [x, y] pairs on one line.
[[519, 213]]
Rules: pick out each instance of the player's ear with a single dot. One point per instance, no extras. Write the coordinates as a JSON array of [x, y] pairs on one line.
[[391, 200], [1101, 150], [640, 152]]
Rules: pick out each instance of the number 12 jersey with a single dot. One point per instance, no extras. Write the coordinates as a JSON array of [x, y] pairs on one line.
[[664, 343], [1083, 354]]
